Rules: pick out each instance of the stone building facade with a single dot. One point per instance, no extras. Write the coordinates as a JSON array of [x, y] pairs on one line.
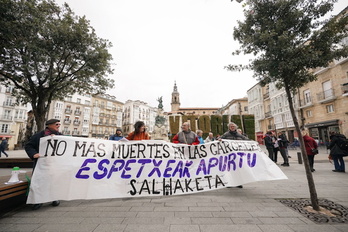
[[324, 102]]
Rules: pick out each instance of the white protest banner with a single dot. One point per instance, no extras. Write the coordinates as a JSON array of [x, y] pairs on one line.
[[82, 168]]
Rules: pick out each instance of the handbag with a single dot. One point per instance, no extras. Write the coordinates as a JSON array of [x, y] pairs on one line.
[[314, 150]]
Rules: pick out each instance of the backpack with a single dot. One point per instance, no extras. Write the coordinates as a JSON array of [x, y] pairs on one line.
[[342, 143]]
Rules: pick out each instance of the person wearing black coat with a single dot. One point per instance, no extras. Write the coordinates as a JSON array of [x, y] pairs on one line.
[[336, 152], [283, 143], [269, 145], [3, 146], [32, 147]]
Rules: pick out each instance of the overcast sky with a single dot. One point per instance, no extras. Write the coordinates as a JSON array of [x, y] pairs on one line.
[[159, 42]]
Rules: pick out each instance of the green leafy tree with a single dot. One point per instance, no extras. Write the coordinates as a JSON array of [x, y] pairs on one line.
[[48, 53], [288, 38]]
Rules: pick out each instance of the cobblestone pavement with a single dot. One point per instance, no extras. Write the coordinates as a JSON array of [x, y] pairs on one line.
[[252, 208]]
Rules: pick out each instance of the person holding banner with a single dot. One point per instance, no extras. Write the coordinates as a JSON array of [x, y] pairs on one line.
[[139, 132], [118, 136], [32, 147], [199, 135], [233, 134], [186, 136], [210, 138]]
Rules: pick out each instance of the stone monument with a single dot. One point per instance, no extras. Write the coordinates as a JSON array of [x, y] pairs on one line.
[[160, 131]]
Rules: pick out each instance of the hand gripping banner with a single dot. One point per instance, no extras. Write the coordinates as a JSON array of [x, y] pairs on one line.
[[73, 168]]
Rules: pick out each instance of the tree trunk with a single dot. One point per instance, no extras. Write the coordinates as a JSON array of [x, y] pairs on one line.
[[311, 185], [40, 111]]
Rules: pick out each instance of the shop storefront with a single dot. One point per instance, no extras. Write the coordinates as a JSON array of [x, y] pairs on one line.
[[320, 130]]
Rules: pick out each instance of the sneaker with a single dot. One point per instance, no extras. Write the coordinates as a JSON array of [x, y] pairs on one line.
[[55, 203], [285, 165], [36, 206], [240, 186], [312, 170], [289, 156], [335, 170]]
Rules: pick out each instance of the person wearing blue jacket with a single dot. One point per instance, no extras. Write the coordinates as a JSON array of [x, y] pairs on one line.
[[118, 136]]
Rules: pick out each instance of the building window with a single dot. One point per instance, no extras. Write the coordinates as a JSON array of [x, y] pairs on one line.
[[309, 113], [307, 96], [4, 128], [78, 100], [330, 108]]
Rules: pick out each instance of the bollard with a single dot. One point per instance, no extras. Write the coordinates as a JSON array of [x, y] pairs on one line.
[[299, 157]]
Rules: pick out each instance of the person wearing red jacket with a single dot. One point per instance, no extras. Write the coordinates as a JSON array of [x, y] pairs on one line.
[[186, 136], [139, 132], [310, 144]]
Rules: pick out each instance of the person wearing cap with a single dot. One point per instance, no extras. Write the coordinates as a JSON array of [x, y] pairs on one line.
[[32, 147], [118, 136]]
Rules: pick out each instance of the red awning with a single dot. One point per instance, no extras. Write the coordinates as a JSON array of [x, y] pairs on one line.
[[6, 136]]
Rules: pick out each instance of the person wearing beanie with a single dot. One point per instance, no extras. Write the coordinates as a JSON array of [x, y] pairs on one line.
[[32, 147], [118, 136]]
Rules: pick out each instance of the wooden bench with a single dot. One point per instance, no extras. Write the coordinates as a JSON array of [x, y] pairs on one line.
[[16, 162], [12, 195]]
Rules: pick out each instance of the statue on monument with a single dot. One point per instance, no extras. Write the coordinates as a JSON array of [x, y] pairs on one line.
[[160, 131], [160, 105]]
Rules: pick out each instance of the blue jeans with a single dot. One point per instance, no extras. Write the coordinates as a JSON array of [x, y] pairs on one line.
[[339, 163]]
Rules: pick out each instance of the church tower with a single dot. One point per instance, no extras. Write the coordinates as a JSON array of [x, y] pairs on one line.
[[175, 99]]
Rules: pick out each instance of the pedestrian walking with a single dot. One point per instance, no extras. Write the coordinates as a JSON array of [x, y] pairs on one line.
[[3, 146]]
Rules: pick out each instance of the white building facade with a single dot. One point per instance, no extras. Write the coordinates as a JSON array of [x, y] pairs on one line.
[[12, 118], [134, 111]]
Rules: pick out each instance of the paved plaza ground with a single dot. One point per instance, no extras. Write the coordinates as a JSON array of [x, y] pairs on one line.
[[253, 208]]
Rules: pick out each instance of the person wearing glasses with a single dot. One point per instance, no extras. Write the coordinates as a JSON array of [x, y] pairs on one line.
[[186, 136], [32, 147]]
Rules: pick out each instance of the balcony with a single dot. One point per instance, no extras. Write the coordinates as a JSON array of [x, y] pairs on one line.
[[266, 95], [8, 104], [305, 103], [76, 122], [67, 121], [66, 132], [326, 96], [68, 111], [268, 114], [75, 132], [77, 112], [6, 117], [19, 119], [84, 133], [344, 88]]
